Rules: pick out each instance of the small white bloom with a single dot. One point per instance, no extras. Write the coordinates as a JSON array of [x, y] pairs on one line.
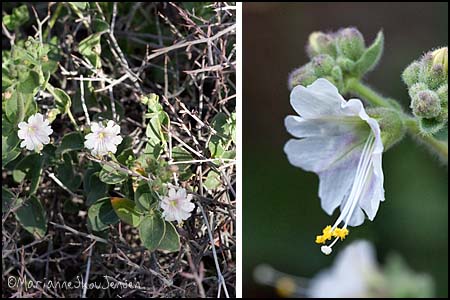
[[177, 206], [340, 142], [34, 133], [350, 276], [103, 139]]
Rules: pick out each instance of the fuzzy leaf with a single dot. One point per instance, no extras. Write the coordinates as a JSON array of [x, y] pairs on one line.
[[370, 57]]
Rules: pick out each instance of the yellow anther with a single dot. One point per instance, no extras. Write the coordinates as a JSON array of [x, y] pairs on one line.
[[327, 234], [340, 232], [320, 239]]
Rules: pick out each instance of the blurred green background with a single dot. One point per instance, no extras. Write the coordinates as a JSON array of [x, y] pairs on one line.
[[281, 209]]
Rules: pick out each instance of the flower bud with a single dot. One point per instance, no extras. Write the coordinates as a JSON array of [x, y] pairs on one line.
[[321, 43], [440, 59], [346, 64], [350, 43], [426, 104], [322, 64], [391, 125], [411, 74], [302, 76]]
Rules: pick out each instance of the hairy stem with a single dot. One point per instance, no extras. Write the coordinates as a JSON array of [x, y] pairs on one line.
[[440, 147], [356, 86]]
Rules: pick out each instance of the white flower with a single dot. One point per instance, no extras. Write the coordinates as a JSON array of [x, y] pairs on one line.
[[177, 206], [351, 275], [342, 144], [35, 134], [103, 139]]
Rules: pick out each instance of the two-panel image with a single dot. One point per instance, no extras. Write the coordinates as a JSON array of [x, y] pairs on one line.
[[224, 150]]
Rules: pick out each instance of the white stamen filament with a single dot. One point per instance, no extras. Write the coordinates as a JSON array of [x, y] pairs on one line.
[[362, 173]]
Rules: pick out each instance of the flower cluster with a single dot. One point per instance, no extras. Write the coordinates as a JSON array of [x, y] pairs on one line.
[[427, 81], [337, 57]]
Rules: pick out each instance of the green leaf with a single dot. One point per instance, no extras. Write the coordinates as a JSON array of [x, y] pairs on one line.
[[126, 210], [151, 231], [30, 167], [62, 100], [79, 5], [66, 174], [100, 26], [32, 217], [110, 175], [212, 181], [70, 142], [9, 200], [91, 48], [18, 17], [370, 57], [171, 239], [154, 130], [29, 84], [101, 214], [94, 188], [10, 143], [143, 196]]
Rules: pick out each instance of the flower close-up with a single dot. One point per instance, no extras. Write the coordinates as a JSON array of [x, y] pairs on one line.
[[177, 205], [342, 144], [34, 133], [103, 139]]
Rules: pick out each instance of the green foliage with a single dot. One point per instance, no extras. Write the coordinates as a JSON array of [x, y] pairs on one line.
[[171, 239], [127, 211], [151, 231], [101, 214], [9, 200], [144, 197], [111, 175], [29, 168], [157, 126], [220, 142], [17, 18], [70, 142], [32, 217]]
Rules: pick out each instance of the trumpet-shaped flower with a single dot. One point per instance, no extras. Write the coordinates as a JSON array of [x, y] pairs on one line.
[[103, 139], [340, 142], [34, 133], [177, 206]]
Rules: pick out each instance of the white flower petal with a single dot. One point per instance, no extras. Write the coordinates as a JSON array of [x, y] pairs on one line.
[[371, 196], [319, 99], [319, 153], [172, 193], [300, 127], [336, 181]]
